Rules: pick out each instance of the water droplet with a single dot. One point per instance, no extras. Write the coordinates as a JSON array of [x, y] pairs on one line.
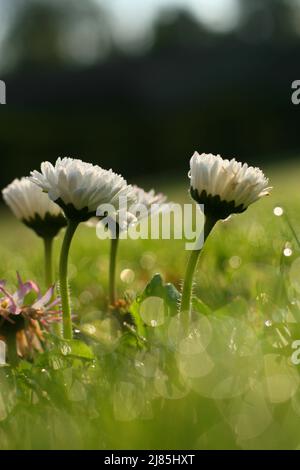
[[127, 276], [278, 211], [288, 252], [65, 349], [139, 364]]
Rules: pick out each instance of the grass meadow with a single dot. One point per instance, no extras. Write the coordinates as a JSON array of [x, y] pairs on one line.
[[233, 383]]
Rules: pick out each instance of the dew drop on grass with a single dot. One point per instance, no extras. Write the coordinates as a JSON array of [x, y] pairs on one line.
[[287, 252], [278, 211], [65, 349]]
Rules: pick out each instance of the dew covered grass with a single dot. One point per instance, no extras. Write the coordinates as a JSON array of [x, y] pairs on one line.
[[231, 383]]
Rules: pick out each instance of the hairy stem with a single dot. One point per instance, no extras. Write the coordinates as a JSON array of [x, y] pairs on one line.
[[11, 350], [112, 269], [63, 278], [189, 275]]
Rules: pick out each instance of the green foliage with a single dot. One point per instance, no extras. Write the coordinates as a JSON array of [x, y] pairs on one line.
[[229, 383]]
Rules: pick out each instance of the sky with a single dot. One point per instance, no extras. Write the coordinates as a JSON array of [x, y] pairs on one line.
[[133, 17]]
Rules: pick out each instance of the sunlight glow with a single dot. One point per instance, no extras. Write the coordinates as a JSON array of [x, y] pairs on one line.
[[133, 19]]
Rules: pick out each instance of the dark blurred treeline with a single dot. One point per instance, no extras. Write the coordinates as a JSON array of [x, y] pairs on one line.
[[72, 90]]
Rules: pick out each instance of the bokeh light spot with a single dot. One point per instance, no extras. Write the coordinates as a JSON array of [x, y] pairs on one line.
[[127, 276], [278, 211], [152, 311]]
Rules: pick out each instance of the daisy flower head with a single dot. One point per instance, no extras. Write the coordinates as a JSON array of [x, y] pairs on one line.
[[148, 203], [224, 186], [79, 187], [151, 202], [33, 207]]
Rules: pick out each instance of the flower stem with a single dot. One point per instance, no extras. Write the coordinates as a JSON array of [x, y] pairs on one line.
[[63, 278], [12, 354], [48, 244], [190, 271], [112, 269]]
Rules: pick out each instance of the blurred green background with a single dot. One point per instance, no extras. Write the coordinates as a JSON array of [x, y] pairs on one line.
[[236, 388], [138, 86]]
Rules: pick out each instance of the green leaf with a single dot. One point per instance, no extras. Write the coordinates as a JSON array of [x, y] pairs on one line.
[[201, 307], [134, 310], [155, 287], [172, 297], [168, 292]]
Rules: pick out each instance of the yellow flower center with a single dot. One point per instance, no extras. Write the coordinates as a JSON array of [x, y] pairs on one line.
[[4, 304]]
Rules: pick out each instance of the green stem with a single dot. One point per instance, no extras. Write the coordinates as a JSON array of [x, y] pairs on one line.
[[188, 280], [63, 278], [189, 275], [48, 244], [12, 354], [112, 269]]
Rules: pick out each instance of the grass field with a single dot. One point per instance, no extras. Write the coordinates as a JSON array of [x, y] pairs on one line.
[[231, 384]]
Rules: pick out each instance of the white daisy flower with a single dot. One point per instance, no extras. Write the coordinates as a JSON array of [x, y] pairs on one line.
[[225, 186], [147, 203], [33, 207], [80, 187]]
